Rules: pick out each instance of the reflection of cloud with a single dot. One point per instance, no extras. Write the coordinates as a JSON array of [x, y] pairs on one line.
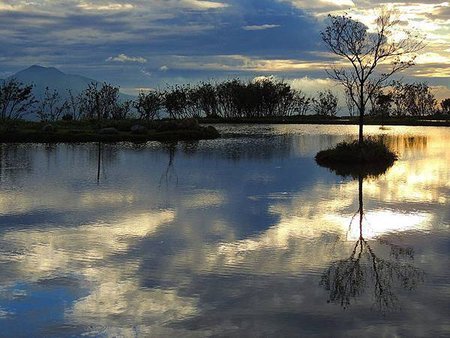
[[380, 222], [113, 302], [205, 200], [308, 219], [61, 249], [142, 275], [87, 252]]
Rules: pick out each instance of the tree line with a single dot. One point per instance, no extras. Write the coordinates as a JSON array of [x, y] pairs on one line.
[[230, 99]]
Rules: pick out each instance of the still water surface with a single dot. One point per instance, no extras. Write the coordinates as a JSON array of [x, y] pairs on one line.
[[244, 235]]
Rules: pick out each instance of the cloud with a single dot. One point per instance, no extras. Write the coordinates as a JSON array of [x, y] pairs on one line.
[[312, 86], [105, 7], [259, 27], [197, 39], [8, 7], [203, 4], [318, 7], [242, 63], [146, 72], [125, 58], [309, 86]]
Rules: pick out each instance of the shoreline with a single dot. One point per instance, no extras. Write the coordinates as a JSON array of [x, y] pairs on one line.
[[171, 131], [106, 131], [183, 135], [331, 121]]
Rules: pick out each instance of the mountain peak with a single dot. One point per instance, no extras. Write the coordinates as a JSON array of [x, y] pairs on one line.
[[50, 77], [41, 69]]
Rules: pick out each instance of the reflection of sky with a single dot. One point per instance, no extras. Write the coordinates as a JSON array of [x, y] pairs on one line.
[[234, 241]]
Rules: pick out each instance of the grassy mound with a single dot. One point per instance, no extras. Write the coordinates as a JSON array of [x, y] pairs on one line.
[[372, 158]]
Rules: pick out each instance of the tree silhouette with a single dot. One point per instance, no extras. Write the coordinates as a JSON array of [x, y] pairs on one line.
[[16, 100], [325, 104], [52, 106], [445, 106], [99, 103], [365, 52], [415, 99], [148, 105]]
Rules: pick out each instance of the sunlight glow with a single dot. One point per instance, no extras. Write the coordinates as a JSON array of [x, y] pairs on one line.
[[381, 222]]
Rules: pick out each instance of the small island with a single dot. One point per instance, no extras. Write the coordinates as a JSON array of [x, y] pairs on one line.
[[368, 159]]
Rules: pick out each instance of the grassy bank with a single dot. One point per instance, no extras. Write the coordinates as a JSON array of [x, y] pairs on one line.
[[104, 131]]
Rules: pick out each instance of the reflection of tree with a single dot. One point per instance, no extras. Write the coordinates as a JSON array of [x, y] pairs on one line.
[[104, 154], [399, 144], [404, 143], [349, 278], [99, 161], [15, 161], [170, 172], [190, 147], [257, 147]]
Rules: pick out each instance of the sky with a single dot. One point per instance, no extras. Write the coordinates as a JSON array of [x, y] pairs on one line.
[[147, 44]]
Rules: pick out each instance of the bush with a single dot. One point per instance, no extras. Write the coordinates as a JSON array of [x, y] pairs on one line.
[[372, 158], [67, 117], [325, 104]]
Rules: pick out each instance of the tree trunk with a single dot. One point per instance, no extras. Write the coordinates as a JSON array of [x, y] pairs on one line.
[[361, 127], [362, 109]]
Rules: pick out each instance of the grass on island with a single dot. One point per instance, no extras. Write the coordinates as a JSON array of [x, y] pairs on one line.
[[104, 131], [370, 159]]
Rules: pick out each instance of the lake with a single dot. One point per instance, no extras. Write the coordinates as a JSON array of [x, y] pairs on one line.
[[239, 236]]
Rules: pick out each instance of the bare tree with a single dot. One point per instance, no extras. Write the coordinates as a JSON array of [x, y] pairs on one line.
[[52, 106], [350, 104], [366, 52], [414, 99], [326, 104], [73, 105], [445, 106], [121, 110], [299, 104], [148, 105], [16, 100]]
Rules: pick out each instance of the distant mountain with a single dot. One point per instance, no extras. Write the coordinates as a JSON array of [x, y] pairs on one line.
[[42, 77]]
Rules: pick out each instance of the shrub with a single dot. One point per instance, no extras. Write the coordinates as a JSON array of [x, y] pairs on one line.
[[67, 117], [325, 104], [372, 158]]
